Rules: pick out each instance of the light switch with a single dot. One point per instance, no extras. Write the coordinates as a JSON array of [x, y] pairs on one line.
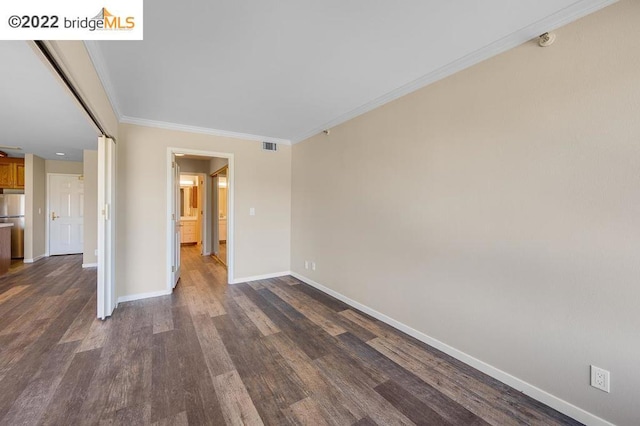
[[40, 210], [252, 211]]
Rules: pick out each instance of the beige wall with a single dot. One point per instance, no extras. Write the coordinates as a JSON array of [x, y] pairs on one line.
[[35, 206], [90, 171], [64, 167], [497, 211], [216, 164], [190, 165], [262, 180]]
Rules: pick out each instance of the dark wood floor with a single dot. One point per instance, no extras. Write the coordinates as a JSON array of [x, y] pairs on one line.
[[268, 352]]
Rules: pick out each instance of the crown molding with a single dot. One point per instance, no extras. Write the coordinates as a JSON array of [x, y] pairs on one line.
[[99, 64], [202, 130], [551, 22]]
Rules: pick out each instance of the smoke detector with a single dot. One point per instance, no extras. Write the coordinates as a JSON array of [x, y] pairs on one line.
[[546, 39]]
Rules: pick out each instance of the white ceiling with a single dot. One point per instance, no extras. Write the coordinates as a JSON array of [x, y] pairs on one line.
[[36, 113], [289, 68]]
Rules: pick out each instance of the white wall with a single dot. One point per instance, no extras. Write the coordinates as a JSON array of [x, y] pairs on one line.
[[262, 180], [498, 211]]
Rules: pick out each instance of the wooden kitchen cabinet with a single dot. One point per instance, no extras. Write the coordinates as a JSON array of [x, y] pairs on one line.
[[12, 173], [20, 175]]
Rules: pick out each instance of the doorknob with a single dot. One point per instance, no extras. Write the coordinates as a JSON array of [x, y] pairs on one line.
[[53, 216]]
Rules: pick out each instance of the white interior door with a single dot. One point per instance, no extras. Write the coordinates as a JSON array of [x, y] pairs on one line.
[[66, 215], [106, 226], [175, 222]]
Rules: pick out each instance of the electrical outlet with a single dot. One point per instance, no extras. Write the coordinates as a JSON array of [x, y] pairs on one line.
[[313, 266], [306, 264], [600, 379]]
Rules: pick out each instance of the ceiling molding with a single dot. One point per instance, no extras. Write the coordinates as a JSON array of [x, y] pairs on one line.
[[100, 65], [552, 22], [201, 130], [556, 20]]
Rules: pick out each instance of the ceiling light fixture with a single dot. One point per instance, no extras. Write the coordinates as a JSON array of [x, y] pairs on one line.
[[546, 39], [61, 154]]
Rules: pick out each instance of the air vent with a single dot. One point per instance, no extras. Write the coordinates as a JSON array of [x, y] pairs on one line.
[[269, 146]]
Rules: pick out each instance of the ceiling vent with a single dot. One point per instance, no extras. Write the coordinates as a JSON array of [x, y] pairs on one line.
[[269, 146]]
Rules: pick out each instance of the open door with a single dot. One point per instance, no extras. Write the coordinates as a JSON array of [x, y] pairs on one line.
[[106, 227], [175, 222]]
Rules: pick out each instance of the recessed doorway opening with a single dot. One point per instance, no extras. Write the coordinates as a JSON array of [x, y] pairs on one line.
[[193, 208]]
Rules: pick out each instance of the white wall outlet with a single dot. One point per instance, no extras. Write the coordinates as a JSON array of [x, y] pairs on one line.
[[600, 379], [306, 264], [313, 266], [252, 211]]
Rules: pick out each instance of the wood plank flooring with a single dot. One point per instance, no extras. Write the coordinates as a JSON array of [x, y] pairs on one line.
[[273, 352]]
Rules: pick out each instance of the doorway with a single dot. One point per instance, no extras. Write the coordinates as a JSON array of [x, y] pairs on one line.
[[220, 223], [192, 207], [65, 199], [184, 161]]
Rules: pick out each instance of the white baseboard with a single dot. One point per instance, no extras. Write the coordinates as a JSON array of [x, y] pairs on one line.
[[552, 401], [139, 296], [89, 265], [35, 259], [260, 277]]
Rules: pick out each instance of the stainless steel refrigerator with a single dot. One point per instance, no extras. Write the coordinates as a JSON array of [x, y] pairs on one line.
[[12, 211]]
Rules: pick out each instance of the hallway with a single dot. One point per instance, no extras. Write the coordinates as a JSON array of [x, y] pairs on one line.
[[275, 352]]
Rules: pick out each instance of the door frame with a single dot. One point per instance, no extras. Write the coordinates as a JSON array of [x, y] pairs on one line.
[[205, 214], [171, 151], [47, 195]]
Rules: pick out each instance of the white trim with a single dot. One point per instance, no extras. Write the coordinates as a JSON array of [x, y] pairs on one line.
[[140, 296], [203, 130], [558, 19], [35, 259], [89, 265], [260, 277], [204, 217], [534, 392], [230, 208]]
